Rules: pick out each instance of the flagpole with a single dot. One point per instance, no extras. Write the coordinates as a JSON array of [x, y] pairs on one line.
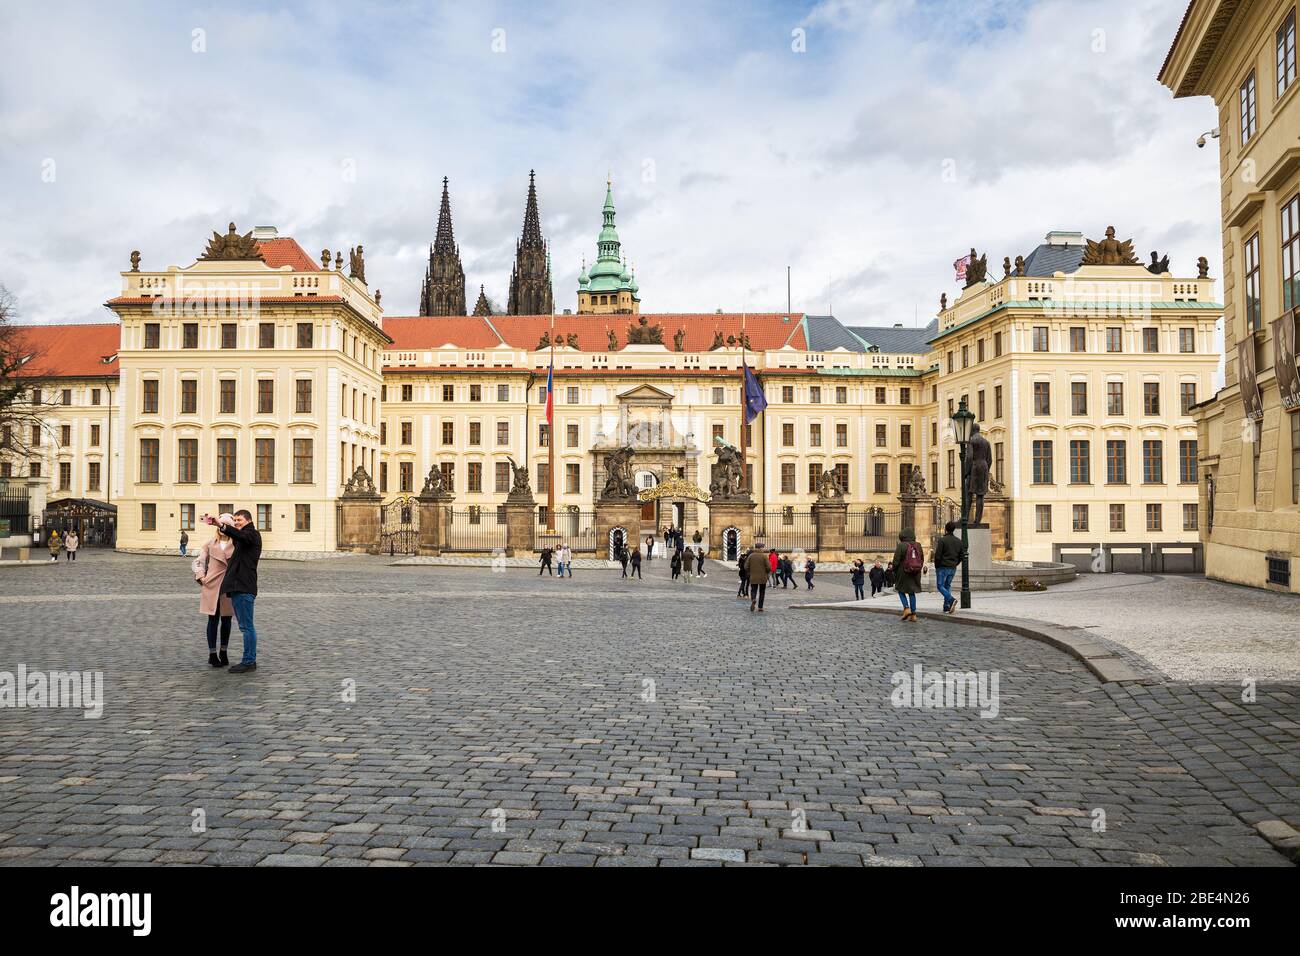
[[550, 434], [744, 410]]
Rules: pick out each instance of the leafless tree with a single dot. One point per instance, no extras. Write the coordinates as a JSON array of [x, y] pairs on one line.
[[25, 396]]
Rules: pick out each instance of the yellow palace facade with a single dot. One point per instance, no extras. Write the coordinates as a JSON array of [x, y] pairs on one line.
[[262, 378]]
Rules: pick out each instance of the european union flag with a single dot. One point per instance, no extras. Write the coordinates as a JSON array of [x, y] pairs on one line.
[[755, 400]]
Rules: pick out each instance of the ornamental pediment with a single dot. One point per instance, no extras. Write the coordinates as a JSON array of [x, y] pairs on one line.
[[646, 394]]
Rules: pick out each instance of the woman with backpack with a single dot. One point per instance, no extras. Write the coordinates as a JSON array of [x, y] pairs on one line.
[[908, 565]]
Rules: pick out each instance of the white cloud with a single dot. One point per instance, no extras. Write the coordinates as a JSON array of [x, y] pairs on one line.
[[829, 161]]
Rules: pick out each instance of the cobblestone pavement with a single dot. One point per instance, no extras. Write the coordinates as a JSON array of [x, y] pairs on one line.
[[499, 718]]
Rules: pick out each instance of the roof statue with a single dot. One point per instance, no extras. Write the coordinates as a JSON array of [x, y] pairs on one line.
[[717, 341], [357, 264], [232, 247], [1109, 251], [943, 301], [613, 339], [1020, 265], [1202, 268], [1158, 266], [325, 260], [135, 261], [1006, 266], [571, 340], [679, 339], [645, 334], [977, 270]]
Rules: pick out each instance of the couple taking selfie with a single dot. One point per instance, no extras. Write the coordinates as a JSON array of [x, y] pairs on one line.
[[226, 570]]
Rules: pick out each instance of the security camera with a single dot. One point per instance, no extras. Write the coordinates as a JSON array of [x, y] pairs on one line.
[[1200, 140]]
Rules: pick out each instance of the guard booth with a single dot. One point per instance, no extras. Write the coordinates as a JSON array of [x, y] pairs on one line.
[[94, 521]]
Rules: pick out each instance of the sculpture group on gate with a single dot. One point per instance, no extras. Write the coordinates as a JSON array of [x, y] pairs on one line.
[[728, 474], [360, 484], [520, 488], [619, 484], [435, 484], [828, 487]]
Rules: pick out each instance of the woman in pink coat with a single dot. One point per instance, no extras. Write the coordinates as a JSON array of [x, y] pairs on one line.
[[209, 569]]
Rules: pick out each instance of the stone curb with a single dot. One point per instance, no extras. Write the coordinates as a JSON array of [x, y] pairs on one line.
[[1107, 666], [1284, 838]]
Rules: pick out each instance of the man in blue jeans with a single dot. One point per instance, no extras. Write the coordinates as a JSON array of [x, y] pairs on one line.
[[240, 581], [947, 558]]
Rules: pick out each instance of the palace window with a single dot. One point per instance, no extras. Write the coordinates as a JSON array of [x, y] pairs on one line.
[[1042, 462], [1114, 339], [1186, 340], [148, 516], [905, 396], [187, 517], [904, 473], [1042, 398], [408, 432], [1116, 462], [1043, 518], [503, 393], [187, 460], [189, 396], [880, 395], [841, 395], [1186, 397], [149, 460], [94, 396], [1078, 398], [152, 335], [1250, 260], [787, 478], [571, 435], [997, 463], [1078, 339], [573, 479], [572, 394], [305, 336], [1191, 520], [814, 394], [1080, 462], [905, 435], [718, 395], [787, 394], [1114, 398], [503, 433], [302, 461], [787, 434], [92, 476], [965, 356], [474, 479], [841, 471], [979, 402], [448, 470], [1291, 253], [814, 476], [997, 344], [1116, 517], [1154, 517], [1285, 47], [65, 435], [543, 434], [190, 335], [149, 397], [1246, 105], [1150, 340], [449, 393], [1151, 398], [881, 472], [1187, 461], [979, 351], [543, 478], [264, 461], [302, 396], [952, 468], [408, 393], [950, 363], [476, 393], [226, 460], [841, 435], [65, 475], [1153, 462], [815, 435], [1040, 338], [228, 335], [265, 396], [476, 433], [882, 436], [448, 433], [302, 517], [266, 335], [263, 517], [227, 389], [997, 401], [1079, 516]]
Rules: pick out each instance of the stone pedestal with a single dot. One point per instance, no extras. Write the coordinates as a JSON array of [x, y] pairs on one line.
[[520, 525], [360, 523], [830, 516], [979, 545], [918, 514], [619, 513], [433, 522], [735, 513], [997, 515]]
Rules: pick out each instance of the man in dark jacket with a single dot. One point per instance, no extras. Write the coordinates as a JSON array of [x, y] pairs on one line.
[[240, 581], [877, 575], [759, 567], [947, 558]]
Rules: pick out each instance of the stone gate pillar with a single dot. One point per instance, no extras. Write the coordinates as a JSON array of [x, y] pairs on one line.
[[521, 513], [611, 514], [727, 513], [830, 516], [434, 500], [360, 517]]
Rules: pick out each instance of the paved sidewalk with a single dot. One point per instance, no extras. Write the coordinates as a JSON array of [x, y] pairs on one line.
[[1183, 627]]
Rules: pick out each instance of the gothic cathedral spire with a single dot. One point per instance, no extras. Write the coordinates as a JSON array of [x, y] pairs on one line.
[[443, 291], [530, 280]]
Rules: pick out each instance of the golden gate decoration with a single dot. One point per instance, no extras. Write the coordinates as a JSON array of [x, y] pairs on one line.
[[673, 487]]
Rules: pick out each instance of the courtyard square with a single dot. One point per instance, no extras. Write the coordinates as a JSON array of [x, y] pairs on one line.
[[422, 715]]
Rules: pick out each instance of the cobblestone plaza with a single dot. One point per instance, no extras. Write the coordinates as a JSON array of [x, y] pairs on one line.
[[425, 714]]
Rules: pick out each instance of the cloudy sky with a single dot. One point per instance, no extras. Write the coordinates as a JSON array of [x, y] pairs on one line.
[[864, 143]]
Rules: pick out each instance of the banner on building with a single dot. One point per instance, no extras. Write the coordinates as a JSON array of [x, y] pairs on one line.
[[1248, 380], [1284, 365]]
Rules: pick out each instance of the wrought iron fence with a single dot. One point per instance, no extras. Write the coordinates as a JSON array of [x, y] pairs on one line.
[[15, 518], [476, 528], [400, 529], [789, 529], [871, 529]]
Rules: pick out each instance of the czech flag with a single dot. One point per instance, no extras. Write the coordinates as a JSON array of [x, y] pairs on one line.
[[550, 392]]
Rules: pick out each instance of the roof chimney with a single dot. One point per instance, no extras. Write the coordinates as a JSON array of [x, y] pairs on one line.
[[1058, 237], [263, 233], [898, 325]]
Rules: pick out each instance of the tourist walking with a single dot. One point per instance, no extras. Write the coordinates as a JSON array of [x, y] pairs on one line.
[[621, 557], [948, 554], [742, 568], [185, 542], [636, 562], [908, 564], [649, 547], [209, 568], [676, 564], [809, 568], [70, 544], [890, 576], [240, 581], [877, 579], [759, 566], [54, 544], [859, 578], [699, 562], [547, 554]]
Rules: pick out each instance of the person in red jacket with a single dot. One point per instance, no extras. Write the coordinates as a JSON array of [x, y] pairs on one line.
[[773, 562]]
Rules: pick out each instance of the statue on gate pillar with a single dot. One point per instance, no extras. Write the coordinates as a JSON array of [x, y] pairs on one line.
[[975, 473]]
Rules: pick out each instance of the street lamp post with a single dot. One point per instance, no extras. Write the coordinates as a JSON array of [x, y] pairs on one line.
[[962, 420]]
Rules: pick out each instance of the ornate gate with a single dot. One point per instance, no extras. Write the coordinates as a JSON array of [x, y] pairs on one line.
[[400, 527]]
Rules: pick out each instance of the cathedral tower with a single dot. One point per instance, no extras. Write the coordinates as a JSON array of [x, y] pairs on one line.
[[530, 280], [443, 291]]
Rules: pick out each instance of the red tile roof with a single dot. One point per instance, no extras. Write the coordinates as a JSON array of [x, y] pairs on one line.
[[771, 330], [287, 252], [71, 351]]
